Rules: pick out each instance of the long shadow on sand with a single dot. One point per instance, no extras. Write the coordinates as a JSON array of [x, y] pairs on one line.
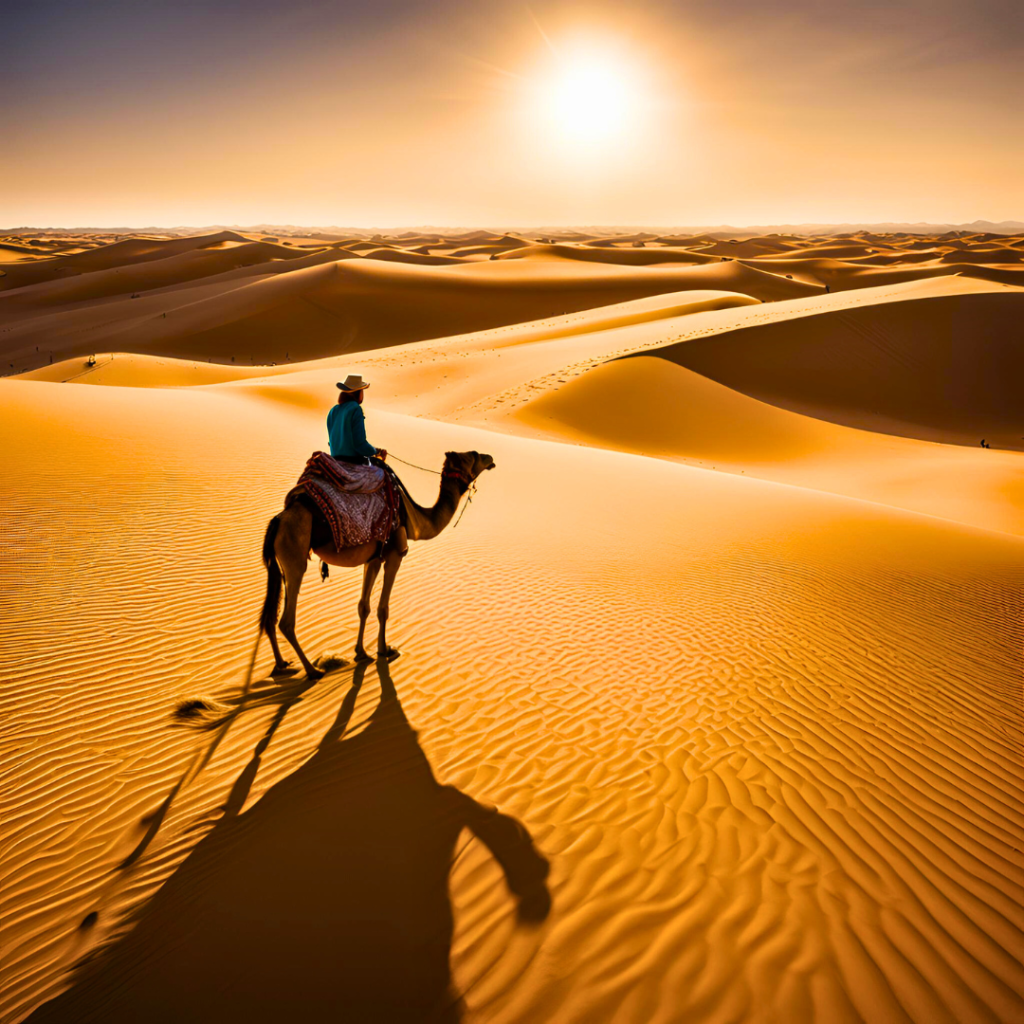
[[328, 900]]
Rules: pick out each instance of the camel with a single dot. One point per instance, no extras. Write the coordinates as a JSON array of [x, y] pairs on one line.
[[289, 541]]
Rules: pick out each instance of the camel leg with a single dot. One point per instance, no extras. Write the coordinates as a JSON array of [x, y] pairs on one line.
[[281, 667], [293, 564], [272, 601], [370, 571], [392, 563]]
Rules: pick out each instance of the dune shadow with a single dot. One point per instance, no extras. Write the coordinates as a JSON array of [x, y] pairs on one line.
[[327, 900]]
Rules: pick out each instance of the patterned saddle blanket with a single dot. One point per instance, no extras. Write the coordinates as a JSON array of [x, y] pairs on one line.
[[359, 503]]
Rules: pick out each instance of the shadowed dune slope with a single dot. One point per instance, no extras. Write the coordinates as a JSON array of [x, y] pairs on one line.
[[1003, 254], [126, 369], [653, 406], [360, 304], [870, 277], [875, 271], [943, 368]]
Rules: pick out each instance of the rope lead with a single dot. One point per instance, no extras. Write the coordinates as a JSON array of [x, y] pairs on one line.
[[469, 501], [470, 492], [392, 455]]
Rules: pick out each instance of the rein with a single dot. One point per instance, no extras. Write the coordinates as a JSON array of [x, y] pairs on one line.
[[469, 501], [392, 455]]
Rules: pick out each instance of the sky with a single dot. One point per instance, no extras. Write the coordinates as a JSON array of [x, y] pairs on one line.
[[390, 113]]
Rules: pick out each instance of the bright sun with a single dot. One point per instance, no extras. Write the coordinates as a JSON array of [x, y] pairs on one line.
[[589, 102]]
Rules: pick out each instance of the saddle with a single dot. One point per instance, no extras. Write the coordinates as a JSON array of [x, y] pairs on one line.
[[359, 504]]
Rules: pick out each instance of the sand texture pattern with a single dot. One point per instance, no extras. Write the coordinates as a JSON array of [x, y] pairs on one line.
[[708, 710]]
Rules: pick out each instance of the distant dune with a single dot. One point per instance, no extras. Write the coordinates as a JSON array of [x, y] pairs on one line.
[[348, 306], [623, 257], [116, 254]]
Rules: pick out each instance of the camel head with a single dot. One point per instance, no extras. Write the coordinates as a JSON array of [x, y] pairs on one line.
[[468, 465]]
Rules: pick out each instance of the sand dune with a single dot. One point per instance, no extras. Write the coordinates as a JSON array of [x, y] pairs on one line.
[[1004, 254], [885, 259], [116, 254], [487, 249], [125, 369], [733, 276], [943, 368], [146, 268], [653, 406], [352, 305], [481, 243], [624, 257], [169, 270], [872, 271], [403, 256], [19, 250], [831, 251], [866, 277], [128, 369], [747, 249], [749, 709]]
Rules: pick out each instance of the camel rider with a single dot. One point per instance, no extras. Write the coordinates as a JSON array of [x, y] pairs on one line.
[[346, 427]]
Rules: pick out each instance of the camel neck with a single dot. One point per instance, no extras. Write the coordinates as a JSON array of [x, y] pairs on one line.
[[426, 523]]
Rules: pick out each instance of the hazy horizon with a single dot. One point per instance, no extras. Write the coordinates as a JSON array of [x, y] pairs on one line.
[[980, 224]]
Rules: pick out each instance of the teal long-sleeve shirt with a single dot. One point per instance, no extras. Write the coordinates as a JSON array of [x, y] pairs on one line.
[[346, 427]]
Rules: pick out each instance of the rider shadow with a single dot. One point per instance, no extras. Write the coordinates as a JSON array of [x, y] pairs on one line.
[[217, 717], [328, 900]]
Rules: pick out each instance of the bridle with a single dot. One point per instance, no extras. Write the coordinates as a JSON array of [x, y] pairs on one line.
[[451, 473]]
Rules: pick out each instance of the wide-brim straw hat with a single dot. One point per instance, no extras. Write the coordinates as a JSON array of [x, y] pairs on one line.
[[353, 382]]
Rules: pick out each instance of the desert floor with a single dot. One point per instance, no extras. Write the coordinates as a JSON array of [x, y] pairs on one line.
[[731, 638]]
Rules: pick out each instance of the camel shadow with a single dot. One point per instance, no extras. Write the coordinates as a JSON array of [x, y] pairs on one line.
[[217, 717], [327, 900]]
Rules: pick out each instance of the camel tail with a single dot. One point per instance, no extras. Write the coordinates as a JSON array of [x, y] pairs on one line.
[[268, 615]]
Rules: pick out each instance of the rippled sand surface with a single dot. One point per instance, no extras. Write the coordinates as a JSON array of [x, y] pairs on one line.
[[709, 709]]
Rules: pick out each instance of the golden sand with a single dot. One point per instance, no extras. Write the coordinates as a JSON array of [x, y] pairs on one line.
[[733, 632]]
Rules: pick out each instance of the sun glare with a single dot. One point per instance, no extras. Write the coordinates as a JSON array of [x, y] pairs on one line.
[[589, 102]]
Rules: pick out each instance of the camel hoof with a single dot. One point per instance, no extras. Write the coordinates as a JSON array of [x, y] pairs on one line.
[[389, 654], [314, 675], [362, 656], [284, 669]]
